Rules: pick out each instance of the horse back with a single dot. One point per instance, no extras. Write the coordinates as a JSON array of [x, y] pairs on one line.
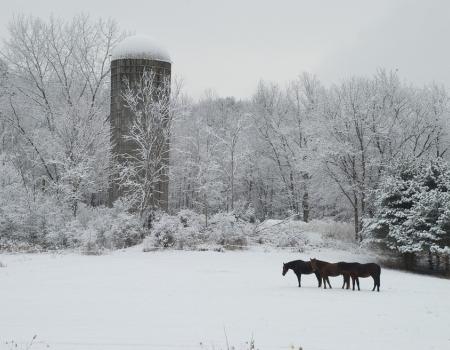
[[370, 269], [304, 267], [374, 267], [300, 266], [351, 268]]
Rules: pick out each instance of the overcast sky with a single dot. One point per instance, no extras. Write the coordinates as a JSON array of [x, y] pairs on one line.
[[230, 45]]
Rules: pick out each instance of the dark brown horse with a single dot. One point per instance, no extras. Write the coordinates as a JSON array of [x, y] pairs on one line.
[[301, 267], [356, 270], [326, 270]]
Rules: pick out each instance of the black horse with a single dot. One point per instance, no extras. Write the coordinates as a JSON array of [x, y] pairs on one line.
[[301, 267], [356, 270]]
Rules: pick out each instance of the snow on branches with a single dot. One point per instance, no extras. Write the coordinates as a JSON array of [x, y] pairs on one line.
[[412, 209]]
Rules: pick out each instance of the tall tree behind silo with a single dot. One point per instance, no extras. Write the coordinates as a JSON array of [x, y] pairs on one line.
[[140, 123]]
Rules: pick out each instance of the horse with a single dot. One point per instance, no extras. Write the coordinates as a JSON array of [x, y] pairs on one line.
[[356, 270], [326, 270], [300, 267]]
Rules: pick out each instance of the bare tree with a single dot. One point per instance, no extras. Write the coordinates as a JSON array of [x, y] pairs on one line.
[[144, 170], [59, 102], [368, 124]]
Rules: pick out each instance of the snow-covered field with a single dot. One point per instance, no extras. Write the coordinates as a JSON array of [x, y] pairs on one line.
[[190, 300]]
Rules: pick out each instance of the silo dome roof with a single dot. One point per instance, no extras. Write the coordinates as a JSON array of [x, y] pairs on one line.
[[139, 46]]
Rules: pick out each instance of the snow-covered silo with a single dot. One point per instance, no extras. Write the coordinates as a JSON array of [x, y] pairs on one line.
[[130, 59]]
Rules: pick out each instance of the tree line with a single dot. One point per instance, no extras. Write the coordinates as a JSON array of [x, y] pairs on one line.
[[302, 149]]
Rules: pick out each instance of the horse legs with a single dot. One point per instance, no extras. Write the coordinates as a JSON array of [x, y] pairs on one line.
[[357, 282], [325, 281], [353, 282], [319, 279], [345, 278], [299, 277], [376, 281], [328, 280]]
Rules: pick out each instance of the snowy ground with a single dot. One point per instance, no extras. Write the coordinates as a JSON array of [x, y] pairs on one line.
[[174, 299]]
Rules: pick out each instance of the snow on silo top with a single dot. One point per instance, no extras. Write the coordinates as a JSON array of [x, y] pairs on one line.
[[139, 46]]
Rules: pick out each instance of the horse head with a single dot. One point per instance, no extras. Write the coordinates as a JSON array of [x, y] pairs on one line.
[[313, 263], [285, 269]]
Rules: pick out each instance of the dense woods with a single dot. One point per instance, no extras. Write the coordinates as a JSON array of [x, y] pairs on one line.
[[304, 150]]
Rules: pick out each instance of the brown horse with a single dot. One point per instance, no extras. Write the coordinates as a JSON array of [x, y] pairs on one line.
[[326, 270], [356, 270]]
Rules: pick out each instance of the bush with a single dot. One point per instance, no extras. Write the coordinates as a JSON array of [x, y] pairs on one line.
[[125, 230], [163, 233], [229, 232], [339, 231], [184, 230], [187, 230], [233, 242]]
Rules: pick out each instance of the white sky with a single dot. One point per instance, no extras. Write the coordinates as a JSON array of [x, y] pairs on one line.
[[230, 45]]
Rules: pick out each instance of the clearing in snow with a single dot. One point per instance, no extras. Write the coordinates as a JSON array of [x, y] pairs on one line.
[[177, 299]]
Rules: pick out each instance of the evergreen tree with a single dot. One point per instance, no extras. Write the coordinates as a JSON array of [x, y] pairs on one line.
[[412, 211]]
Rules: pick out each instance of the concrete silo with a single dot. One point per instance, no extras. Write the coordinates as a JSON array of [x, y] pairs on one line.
[[130, 59]]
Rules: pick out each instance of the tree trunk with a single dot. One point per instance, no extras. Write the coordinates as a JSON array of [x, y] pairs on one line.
[[363, 209], [305, 206], [430, 261], [409, 260], [356, 217], [305, 201], [232, 181], [206, 212], [447, 264], [294, 206], [438, 262]]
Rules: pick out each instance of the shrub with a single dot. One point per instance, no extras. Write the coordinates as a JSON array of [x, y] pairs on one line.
[[187, 230], [164, 232], [228, 231], [339, 231], [125, 230], [184, 230]]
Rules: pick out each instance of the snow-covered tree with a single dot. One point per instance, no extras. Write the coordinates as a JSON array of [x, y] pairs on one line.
[[200, 151], [54, 133], [58, 103], [144, 171], [412, 210], [370, 123]]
